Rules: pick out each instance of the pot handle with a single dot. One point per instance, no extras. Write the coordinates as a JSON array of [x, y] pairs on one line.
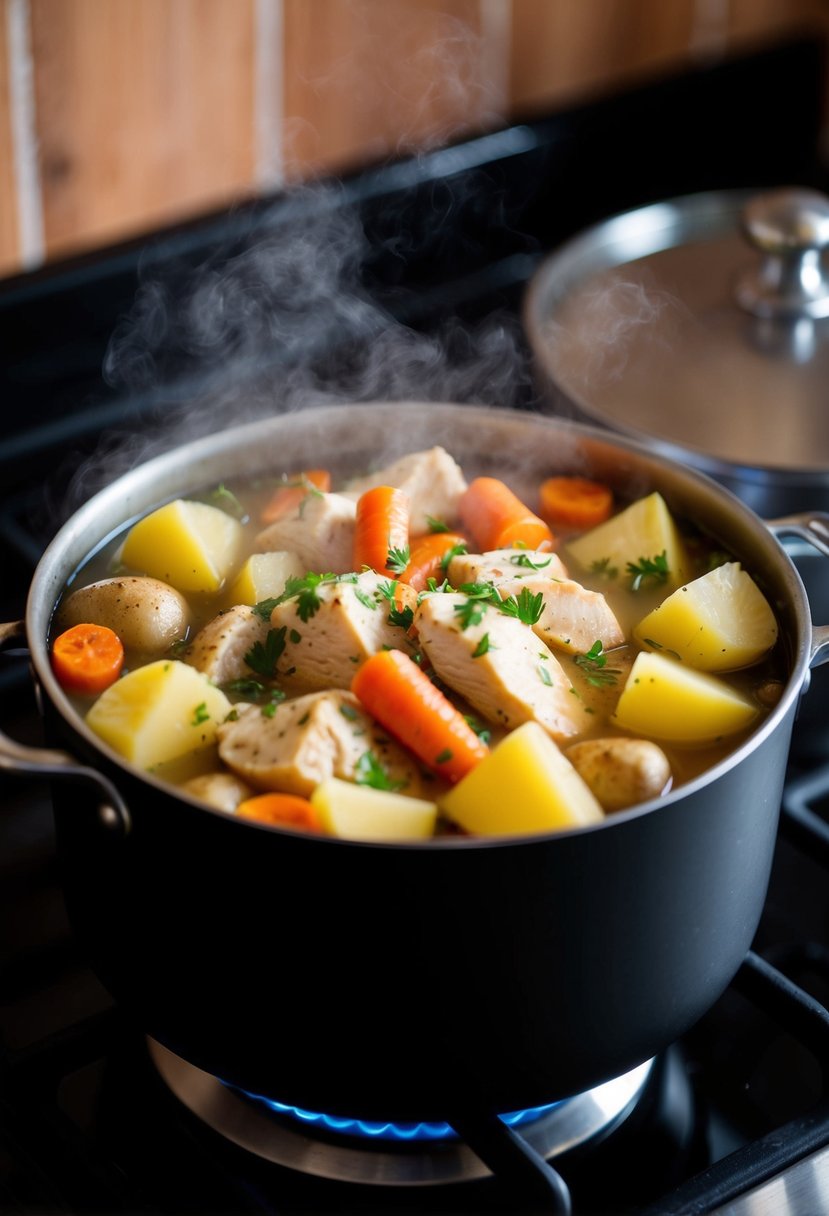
[[19, 760], [813, 527]]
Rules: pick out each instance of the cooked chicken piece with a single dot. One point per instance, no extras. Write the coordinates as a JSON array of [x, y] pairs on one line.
[[573, 619], [222, 790], [219, 648], [320, 531], [432, 480], [504, 566], [311, 738], [349, 622], [499, 666]]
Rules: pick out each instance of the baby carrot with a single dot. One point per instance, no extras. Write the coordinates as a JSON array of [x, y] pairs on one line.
[[87, 658], [405, 701], [575, 502], [381, 533], [497, 519], [287, 810], [427, 554], [290, 495]]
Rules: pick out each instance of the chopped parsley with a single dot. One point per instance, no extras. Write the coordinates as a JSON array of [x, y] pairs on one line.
[[471, 611], [225, 498], [526, 607], [348, 711], [483, 732], [482, 647], [304, 590], [594, 665], [658, 646], [295, 636], [265, 607], [388, 590], [249, 688], [602, 566], [269, 710], [453, 551], [445, 756], [655, 568], [370, 772], [436, 525], [524, 559], [544, 676], [365, 599], [398, 559], [263, 656], [403, 617], [200, 714]]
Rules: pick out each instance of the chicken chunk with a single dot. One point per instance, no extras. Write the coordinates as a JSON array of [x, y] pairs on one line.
[[504, 566], [347, 620], [432, 481], [499, 666], [573, 619], [222, 790], [311, 738], [320, 531], [218, 650]]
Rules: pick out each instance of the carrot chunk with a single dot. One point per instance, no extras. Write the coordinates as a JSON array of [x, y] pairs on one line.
[[287, 810], [497, 519], [87, 658], [381, 533], [575, 502], [290, 495], [404, 700], [427, 556]]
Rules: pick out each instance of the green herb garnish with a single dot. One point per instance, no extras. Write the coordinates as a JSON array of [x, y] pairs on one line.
[[655, 568], [365, 599], [483, 732], [445, 756], [228, 501], [594, 665], [454, 551], [304, 590], [602, 566], [200, 714], [526, 607], [398, 559], [265, 607], [370, 772], [263, 656], [544, 676], [436, 525], [524, 559], [482, 647]]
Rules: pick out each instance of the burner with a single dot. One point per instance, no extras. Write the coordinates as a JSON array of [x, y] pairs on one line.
[[349, 1154]]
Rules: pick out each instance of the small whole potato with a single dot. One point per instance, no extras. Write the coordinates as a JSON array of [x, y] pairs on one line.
[[147, 615], [621, 772]]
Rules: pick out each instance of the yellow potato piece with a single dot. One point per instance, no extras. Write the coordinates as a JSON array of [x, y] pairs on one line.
[[524, 785], [644, 529], [263, 577], [719, 622], [669, 701], [359, 812], [159, 713], [190, 545]]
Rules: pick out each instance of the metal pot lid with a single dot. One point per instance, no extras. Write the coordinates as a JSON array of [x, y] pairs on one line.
[[701, 323]]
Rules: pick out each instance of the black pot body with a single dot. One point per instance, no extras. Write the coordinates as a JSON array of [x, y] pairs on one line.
[[408, 982]]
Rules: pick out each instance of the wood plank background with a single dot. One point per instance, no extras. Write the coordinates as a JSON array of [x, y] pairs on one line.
[[117, 116]]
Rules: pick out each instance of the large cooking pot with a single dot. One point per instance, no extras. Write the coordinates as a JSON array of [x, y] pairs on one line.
[[410, 981]]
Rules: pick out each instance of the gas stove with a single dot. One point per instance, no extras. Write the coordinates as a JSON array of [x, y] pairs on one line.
[[104, 353]]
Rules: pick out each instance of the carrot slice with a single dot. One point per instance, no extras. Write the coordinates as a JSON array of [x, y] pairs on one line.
[[381, 533], [575, 502], [286, 497], [427, 554], [87, 658], [287, 810], [404, 700], [497, 519]]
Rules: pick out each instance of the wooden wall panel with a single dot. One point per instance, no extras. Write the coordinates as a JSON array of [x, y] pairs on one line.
[[364, 77], [144, 112], [9, 236], [563, 51]]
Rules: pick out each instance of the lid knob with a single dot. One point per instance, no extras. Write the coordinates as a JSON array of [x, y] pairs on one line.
[[791, 229]]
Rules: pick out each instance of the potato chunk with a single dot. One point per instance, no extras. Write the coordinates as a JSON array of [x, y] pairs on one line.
[[262, 577], [358, 812], [147, 615], [645, 529], [159, 713], [190, 545], [525, 784], [621, 772], [667, 700], [719, 622]]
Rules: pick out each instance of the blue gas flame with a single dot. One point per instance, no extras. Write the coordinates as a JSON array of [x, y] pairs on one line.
[[388, 1131]]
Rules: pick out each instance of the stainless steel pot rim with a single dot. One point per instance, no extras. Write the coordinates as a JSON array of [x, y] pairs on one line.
[[165, 475]]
